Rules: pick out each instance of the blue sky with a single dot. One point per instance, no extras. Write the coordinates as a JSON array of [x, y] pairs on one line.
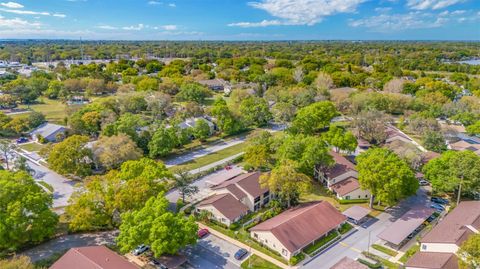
[[241, 20]]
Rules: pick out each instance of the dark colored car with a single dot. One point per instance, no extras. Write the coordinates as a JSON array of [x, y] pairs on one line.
[[439, 200], [240, 253], [22, 140], [202, 233]]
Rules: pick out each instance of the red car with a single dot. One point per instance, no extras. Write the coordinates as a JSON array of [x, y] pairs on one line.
[[202, 233]]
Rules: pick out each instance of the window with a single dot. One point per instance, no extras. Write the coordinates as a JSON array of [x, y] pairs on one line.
[[284, 252], [266, 194], [359, 197], [255, 235], [257, 199], [347, 197], [424, 247]]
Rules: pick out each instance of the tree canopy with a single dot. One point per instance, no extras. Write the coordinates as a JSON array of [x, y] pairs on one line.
[[71, 156]]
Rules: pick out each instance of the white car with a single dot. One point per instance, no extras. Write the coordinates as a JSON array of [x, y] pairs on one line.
[[140, 249]]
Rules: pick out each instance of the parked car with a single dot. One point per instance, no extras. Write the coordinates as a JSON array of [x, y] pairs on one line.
[[437, 206], [202, 233], [439, 200], [22, 140], [140, 249], [423, 182], [240, 253]]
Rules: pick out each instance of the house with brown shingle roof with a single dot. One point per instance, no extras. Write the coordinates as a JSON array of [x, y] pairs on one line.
[[438, 248], [298, 227], [348, 263], [235, 197], [94, 257], [342, 179]]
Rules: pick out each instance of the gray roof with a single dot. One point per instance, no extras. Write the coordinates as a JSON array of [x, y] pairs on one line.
[[47, 129], [405, 225], [357, 212]]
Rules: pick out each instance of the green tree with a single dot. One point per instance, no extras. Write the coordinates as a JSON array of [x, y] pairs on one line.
[[193, 92], [286, 182], [35, 119], [183, 181], [474, 129], [6, 150], [314, 117], [25, 214], [385, 175], [162, 143], [104, 198], [147, 84], [227, 122], [201, 130], [255, 111], [434, 141], [258, 156], [164, 231], [71, 156], [17, 262], [469, 253], [341, 139], [454, 170]]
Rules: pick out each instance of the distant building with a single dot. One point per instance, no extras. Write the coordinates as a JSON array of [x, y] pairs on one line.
[[192, 122], [293, 230], [49, 131], [95, 257], [215, 84], [438, 248]]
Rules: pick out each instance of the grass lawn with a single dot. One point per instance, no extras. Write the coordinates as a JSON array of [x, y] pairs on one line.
[[385, 250], [409, 253], [32, 146], [386, 263], [46, 185], [319, 192], [320, 243], [255, 262], [210, 158], [54, 110]]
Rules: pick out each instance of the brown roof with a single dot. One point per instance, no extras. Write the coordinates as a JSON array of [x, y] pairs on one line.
[[341, 166], [393, 132], [299, 226], [348, 263], [433, 260], [235, 191], [429, 155], [345, 186], [246, 182], [406, 224], [226, 204], [452, 229], [95, 257]]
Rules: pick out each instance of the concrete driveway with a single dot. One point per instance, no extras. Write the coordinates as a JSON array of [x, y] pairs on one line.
[[353, 245]]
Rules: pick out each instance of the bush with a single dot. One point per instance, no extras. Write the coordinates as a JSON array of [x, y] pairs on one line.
[[180, 204], [385, 250], [355, 201], [296, 259], [376, 265], [234, 226], [345, 228]]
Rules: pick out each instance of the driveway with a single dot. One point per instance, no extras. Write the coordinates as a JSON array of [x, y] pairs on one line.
[[66, 242], [353, 245], [213, 252]]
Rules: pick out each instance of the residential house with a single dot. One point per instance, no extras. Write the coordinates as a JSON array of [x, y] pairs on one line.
[[465, 142], [191, 123], [98, 257], [298, 227], [342, 179], [236, 197], [48, 131], [348, 263], [438, 248], [216, 84]]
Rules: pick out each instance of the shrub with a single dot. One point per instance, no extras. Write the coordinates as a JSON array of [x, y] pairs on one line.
[[355, 201], [296, 259], [234, 226], [180, 204]]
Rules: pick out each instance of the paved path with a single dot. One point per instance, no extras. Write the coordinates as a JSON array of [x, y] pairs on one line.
[[215, 164], [65, 242], [221, 145]]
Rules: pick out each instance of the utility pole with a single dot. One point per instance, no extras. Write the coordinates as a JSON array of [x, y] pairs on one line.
[[368, 249]]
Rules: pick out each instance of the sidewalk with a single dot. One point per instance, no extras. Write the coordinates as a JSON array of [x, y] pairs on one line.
[[242, 245]]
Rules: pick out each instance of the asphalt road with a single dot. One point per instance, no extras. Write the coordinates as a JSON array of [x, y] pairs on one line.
[[66, 242], [353, 245]]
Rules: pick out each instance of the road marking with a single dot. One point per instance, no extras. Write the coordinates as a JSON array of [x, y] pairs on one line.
[[343, 244]]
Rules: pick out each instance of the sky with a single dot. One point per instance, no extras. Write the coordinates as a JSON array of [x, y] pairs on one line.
[[241, 20]]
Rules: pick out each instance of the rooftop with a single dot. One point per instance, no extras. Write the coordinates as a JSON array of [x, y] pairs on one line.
[[406, 224], [433, 260], [341, 166], [453, 228], [246, 182], [226, 204], [348, 263], [95, 257], [47, 129], [301, 225], [345, 186], [357, 212]]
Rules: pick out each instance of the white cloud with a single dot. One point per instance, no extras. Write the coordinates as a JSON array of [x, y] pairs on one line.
[[154, 3], [398, 22], [17, 23], [172, 5], [263, 23], [431, 4], [11, 5], [59, 15], [24, 12], [300, 12], [383, 9], [137, 27], [170, 27], [107, 27]]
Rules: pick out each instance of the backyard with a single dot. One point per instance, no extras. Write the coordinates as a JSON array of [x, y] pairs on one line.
[[255, 262]]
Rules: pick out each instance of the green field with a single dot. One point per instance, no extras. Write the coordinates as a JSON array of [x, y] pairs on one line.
[[54, 110], [255, 262], [210, 158], [32, 147]]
